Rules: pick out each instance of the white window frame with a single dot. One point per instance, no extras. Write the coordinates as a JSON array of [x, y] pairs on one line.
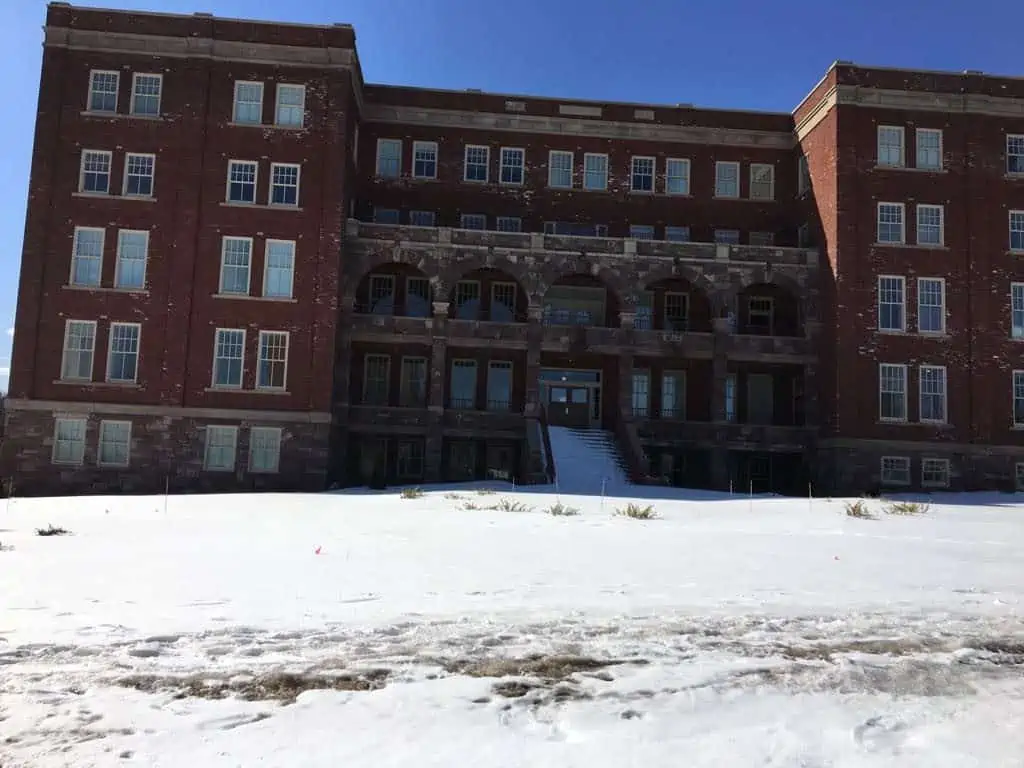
[[159, 94], [551, 168], [223, 429], [223, 266], [255, 182], [68, 324], [919, 133], [120, 259], [942, 306], [633, 173], [77, 457], [92, 91], [587, 174], [684, 177], [104, 426], [643, 230], [881, 393], [266, 269], [241, 368], [1017, 329], [902, 160], [903, 223], [260, 360], [503, 165], [943, 378], [1019, 229], [110, 351], [475, 217], [235, 104], [129, 156], [1017, 374], [887, 478], [273, 184], [924, 208], [428, 146], [301, 106], [275, 467], [512, 224], [86, 154], [1011, 139], [902, 282], [381, 143], [758, 185], [944, 472], [722, 165], [487, 163], [75, 241]]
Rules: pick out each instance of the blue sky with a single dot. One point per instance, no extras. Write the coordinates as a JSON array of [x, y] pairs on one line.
[[726, 53]]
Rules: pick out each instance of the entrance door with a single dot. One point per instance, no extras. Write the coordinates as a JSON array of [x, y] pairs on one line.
[[568, 406]]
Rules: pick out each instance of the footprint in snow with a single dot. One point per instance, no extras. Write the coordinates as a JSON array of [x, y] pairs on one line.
[[881, 733]]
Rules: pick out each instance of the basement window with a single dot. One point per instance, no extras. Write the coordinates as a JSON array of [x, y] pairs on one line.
[[895, 470]]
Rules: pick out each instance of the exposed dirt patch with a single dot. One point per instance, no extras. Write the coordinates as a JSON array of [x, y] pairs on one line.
[[547, 668]]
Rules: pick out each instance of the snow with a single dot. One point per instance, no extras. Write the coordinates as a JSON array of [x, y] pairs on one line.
[[585, 461], [736, 631]]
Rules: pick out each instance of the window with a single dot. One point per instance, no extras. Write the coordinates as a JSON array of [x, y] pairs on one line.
[[69, 441], [762, 181], [422, 218], [115, 443], [803, 176], [376, 379], [931, 305], [123, 355], [219, 453], [413, 385], [762, 238], [291, 105], [499, 385], [1018, 398], [641, 231], [935, 473], [890, 146], [79, 347], [644, 318], [385, 215], [382, 294], [467, 300], [272, 368], [895, 470], [560, 169], [891, 303], [284, 184], [803, 236], [575, 230], [279, 271], [1017, 230], [130, 270], [146, 94], [389, 158], [248, 103], [241, 181], [929, 225], [417, 297], [760, 312], [264, 449], [595, 172], [424, 160], [138, 175], [641, 393], [235, 263], [1014, 153], [513, 163], [727, 179], [890, 223], [673, 395], [509, 224], [677, 312], [463, 384], [476, 162], [228, 356], [641, 176], [892, 390], [730, 397], [409, 460], [933, 394], [503, 303], [727, 236], [103, 91], [929, 149], [473, 221], [87, 256], [677, 234], [95, 172], [1018, 475], [677, 176], [1017, 310]]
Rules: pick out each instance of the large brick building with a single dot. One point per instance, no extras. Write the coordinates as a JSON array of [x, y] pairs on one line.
[[245, 267]]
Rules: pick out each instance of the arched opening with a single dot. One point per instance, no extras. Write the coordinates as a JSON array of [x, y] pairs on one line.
[[581, 300], [768, 309], [488, 294], [395, 289], [674, 304]]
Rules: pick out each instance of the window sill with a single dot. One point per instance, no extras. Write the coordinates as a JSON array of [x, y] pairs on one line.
[[56, 463], [108, 465], [642, 192], [906, 423], [98, 384], [241, 391], [249, 297], [1013, 252], [1014, 176], [910, 169], [124, 116], [417, 179], [892, 331], [106, 289], [917, 246], [269, 126], [107, 196], [262, 207]]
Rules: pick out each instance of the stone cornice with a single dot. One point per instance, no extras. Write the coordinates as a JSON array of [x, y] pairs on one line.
[[165, 411], [604, 129]]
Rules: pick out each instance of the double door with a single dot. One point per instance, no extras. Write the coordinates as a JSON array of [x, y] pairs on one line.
[[568, 405]]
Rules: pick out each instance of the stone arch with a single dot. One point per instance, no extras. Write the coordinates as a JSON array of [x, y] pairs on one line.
[[667, 312], [458, 268], [490, 299], [581, 264], [786, 305], [394, 288], [587, 274], [373, 261]]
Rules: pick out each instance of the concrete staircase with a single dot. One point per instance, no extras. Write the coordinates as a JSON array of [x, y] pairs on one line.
[[585, 459]]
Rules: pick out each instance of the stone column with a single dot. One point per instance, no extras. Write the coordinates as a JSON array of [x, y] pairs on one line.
[[434, 442], [534, 338], [719, 374]]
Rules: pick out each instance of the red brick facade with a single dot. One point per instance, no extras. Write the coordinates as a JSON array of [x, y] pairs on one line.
[[422, 349]]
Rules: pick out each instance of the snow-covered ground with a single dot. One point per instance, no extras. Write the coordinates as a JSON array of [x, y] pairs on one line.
[[370, 630]]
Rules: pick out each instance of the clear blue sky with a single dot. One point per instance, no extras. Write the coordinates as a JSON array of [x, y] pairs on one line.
[[718, 53]]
